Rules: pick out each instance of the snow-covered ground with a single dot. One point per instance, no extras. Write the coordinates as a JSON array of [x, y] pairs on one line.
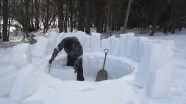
[[25, 74]]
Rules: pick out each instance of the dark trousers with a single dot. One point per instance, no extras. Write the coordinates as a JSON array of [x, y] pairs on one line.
[[70, 62]]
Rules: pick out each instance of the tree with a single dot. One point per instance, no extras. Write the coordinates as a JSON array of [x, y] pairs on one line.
[[5, 20], [127, 15], [81, 16], [1, 5], [60, 15], [71, 14], [37, 3], [88, 17], [100, 15]]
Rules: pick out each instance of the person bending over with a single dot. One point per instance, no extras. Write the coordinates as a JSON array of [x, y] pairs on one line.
[[74, 51]]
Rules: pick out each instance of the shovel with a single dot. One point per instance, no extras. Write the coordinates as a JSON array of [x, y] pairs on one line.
[[50, 67], [102, 74]]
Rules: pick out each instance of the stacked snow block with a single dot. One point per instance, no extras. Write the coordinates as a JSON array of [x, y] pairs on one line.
[[122, 45], [21, 55], [156, 62], [105, 44], [84, 40], [95, 42], [25, 84], [159, 77], [60, 37], [61, 59], [141, 45], [114, 45], [129, 39], [8, 75], [52, 42], [135, 48], [63, 72], [41, 47]]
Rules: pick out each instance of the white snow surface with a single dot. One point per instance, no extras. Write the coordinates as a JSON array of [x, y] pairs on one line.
[[147, 70]]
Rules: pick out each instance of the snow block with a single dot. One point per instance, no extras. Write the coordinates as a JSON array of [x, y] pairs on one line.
[[52, 41], [135, 48], [129, 40], [61, 59], [114, 45], [41, 47], [95, 42], [21, 55], [144, 65], [122, 45], [105, 44], [84, 40], [63, 72], [60, 37], [87, 43], [142, 41], [8, 76], [63, 35], [25, 84], [157, 83], [150, 71]]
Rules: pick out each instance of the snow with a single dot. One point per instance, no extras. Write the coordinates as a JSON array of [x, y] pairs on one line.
[[143, 70], [25, 84], [41, 47], [63, 72], [95, 42]]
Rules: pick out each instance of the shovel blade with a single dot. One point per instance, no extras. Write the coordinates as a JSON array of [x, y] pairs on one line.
[[101, 75]]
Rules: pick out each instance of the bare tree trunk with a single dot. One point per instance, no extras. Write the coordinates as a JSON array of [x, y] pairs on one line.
[[66, 19], [71, 13], [100, 15], [0, 17], [5, 20], [37, 14], [46, 24], [155, 19], [127, 15], [81, 17], [60, 15], [170, 19], [88, 24]]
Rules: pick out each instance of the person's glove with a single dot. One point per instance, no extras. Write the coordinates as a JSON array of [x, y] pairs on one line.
[[77, 63], [50, 61], [53, 56]]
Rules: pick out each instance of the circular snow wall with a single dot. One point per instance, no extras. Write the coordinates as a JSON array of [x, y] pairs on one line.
[[116, 67]]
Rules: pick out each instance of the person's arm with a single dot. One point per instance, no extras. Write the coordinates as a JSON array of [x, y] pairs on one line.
[[56, 51]]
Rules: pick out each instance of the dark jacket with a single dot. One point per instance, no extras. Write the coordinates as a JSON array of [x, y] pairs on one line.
[[72, 47]]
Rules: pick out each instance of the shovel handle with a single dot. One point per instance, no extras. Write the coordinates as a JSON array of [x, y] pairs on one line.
[[106, 51], [50, 67]]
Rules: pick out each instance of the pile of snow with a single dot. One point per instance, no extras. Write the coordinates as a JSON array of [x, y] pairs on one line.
[[132, 63]]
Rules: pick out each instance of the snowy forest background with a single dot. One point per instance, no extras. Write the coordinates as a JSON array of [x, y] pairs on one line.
[[147, 16]]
